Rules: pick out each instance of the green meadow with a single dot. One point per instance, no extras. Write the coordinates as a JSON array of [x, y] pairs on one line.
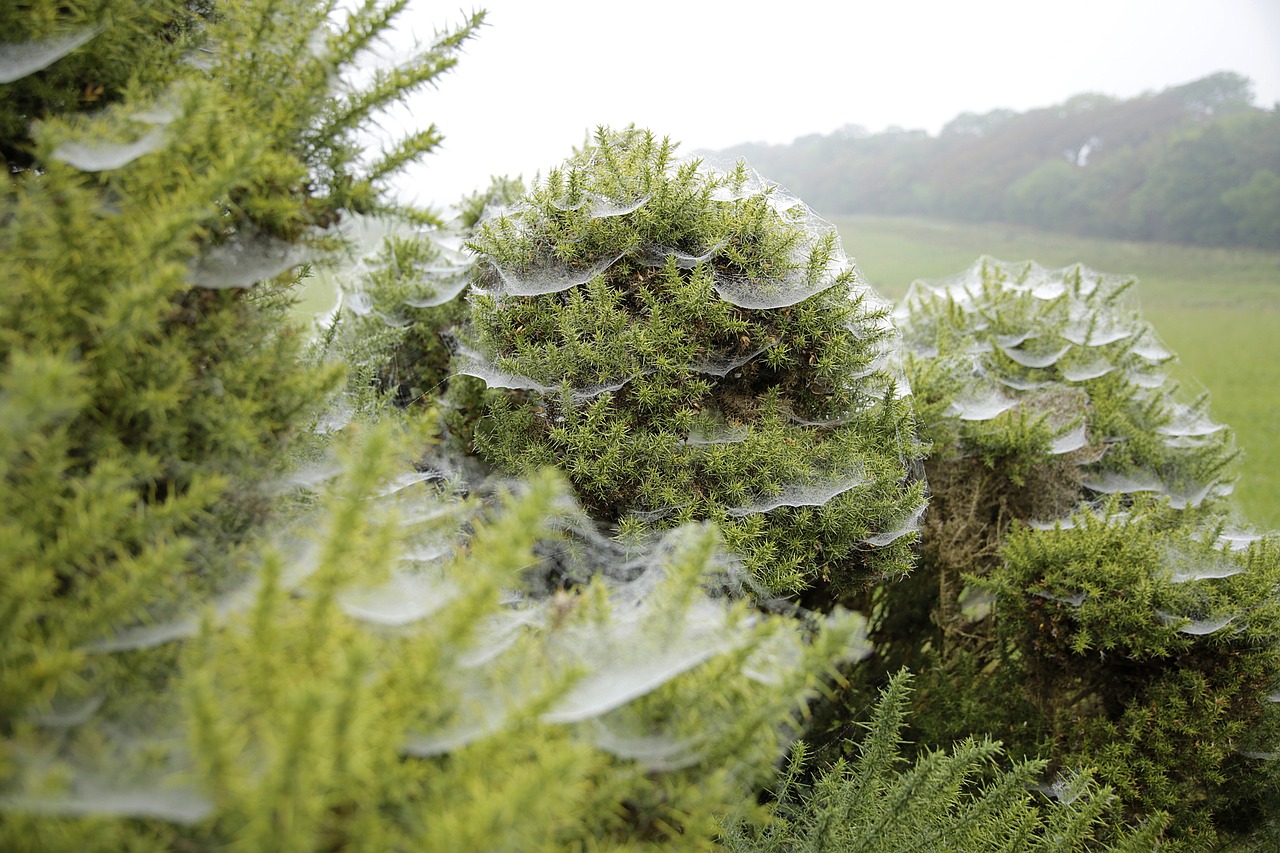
[[1218, 309]]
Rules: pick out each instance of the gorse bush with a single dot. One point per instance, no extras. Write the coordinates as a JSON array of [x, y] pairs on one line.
[[1077, 556], [172, 680], [1040, 390], [687, 343], [365, 688], [143, 384], [1148, 649]]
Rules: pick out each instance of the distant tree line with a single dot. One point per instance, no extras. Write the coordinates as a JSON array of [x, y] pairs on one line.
[[1196, 164]]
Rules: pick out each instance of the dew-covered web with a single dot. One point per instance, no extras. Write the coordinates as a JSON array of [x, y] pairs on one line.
[[19, 59], [1065, 790], [1197, 627], [78, 762], [245, 259], [447, 276], [1020, 336], [105, 156], [906, 525], [471, 362], [817, 493]]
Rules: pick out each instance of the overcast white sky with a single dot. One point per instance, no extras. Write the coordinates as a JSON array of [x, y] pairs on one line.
[[543, 73]]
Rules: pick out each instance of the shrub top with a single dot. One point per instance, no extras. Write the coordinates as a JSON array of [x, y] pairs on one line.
[[689, 342]]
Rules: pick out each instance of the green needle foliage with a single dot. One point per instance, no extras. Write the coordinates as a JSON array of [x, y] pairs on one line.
[[951, 801], [1150, 651], [206, 646], [365, 690], [1038, 390], [169, 168], [686, 343]]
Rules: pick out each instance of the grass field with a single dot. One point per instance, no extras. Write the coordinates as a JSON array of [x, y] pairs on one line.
[[1218, 309]]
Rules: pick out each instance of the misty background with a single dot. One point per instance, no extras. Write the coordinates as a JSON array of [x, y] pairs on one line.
[[717, 75]]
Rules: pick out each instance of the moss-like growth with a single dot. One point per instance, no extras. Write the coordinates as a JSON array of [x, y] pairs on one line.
[[687, 343]]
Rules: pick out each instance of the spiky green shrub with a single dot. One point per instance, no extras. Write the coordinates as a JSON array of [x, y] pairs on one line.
[[958, 800], [1037, 390], [1045, 394], [171, 681], [367, 688], [170, 166], [688, 343]]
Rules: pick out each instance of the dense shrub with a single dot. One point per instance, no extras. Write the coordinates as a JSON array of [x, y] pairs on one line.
[[405, 304], [1077, 557], [688, 343]]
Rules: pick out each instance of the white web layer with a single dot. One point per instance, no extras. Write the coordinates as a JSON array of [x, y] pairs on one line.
[[448, 275], [1197, 627], [981, 405], [1095, 332], [626, 660], [243, 261], [723, 365], [1189, 423], [404, 599], [551, 277], [656, 256], [67, 716], [105, 156], [1087, 371], [1237, 540], [1070, 442], [907, 525], [657, 752], [815, 494], [19, 59], [706, 434], [90, 796], [1035, 359], [1075, 599]]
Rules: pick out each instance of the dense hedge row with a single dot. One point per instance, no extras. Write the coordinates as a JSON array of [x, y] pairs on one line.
[[633, 505]]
